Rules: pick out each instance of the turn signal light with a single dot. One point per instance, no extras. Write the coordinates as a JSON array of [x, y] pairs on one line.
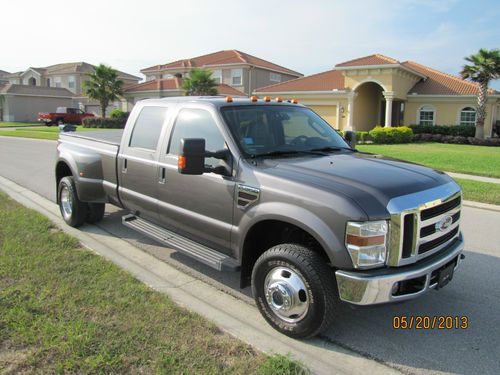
[[229, 99], [267, 99], [278, 99], [181, 162], [253, 98]]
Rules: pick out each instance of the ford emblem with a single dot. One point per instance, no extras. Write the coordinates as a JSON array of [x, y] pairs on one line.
[[443, 224]]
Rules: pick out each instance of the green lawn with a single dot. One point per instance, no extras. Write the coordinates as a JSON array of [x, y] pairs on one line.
[[478, 160], [64, 309], [484, 192], [41, 132], [4, 124]]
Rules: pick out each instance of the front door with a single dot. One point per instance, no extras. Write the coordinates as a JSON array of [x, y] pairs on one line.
[[138, 165], [200, 207]]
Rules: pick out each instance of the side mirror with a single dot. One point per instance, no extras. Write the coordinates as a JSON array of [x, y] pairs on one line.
[[192, 156], [350, 137]]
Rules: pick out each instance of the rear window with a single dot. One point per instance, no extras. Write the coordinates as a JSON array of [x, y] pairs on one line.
[[147, 128]]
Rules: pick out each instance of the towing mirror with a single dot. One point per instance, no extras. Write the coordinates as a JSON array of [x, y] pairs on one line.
[[192, 156], [350, 137]]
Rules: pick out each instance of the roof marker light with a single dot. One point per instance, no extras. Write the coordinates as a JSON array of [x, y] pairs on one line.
[[278, 99], [229, 99], [294, 101], [267, 99], [253, 98]]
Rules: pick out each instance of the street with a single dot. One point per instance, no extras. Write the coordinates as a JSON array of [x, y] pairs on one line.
[[473, 293]]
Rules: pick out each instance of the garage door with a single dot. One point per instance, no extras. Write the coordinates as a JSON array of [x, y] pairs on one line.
[[328, 112]]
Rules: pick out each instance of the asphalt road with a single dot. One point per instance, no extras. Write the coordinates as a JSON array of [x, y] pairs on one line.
[[474, 291]]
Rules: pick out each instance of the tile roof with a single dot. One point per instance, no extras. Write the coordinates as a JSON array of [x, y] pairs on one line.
[[325, 81], [3, 72], [175, 83], [376, 59], [221, 58], [439, 83], [35, 90]]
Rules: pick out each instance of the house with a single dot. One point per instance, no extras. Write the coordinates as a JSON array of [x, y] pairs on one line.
[[234, 68], [50, 87], [379, 90]]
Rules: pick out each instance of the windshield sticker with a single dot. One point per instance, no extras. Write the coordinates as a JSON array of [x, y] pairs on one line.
[[248, 140]]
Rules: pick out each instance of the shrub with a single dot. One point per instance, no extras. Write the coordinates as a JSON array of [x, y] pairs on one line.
[[104, 123], [400, 134], [363, 137], [455, 130], [119, 114]]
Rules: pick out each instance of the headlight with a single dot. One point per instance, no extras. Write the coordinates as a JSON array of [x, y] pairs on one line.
[[367, 243]]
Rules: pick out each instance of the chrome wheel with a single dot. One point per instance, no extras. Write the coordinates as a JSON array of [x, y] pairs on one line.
[[66, 202], [286, 294]]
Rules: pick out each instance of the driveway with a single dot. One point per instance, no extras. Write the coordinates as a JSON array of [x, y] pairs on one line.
[[474, 291]]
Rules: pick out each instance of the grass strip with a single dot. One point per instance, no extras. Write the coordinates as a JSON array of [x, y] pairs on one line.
[[478, 191], [64, 309]]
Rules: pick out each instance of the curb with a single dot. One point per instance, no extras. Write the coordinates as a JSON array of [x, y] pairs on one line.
[[483, 206], [232, 315], [464, 176]]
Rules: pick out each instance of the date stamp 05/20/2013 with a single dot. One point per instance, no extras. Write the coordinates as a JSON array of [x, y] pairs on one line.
[[430, 322]]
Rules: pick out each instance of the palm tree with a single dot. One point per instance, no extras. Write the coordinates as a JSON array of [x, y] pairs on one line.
[[484, 67], [199, 82], [104, 86]]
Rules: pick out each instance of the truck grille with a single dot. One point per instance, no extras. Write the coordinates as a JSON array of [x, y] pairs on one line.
[[425, 230]]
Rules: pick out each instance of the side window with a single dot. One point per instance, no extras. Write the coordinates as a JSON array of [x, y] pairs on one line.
[[197, 123], [147, 128]]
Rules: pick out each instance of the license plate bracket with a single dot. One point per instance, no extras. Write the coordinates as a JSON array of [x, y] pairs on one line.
[[445, 275]]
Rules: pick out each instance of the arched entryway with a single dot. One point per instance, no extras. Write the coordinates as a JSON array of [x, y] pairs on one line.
[[368, 106], [32, 81]]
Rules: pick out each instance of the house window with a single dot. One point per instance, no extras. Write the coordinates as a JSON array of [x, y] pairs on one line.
[[57, 81], [468, 116], [274, 77], [168, 75], [426, 115], [236, 77], [217, 76], [71, 82]]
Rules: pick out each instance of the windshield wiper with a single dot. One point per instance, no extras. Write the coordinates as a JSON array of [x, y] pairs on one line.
[[277, 153], [331, 148]]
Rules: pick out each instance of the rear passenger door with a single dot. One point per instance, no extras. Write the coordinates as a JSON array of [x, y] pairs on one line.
[[199, 207], [138, 162]]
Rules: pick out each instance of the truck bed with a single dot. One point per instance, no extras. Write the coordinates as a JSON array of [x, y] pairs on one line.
[[113, 137]]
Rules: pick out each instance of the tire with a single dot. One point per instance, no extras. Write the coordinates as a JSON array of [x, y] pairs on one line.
[[95, 212], [73, 211], [298, 269]]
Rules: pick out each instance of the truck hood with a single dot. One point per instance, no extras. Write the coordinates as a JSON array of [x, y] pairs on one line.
[[370, 180]]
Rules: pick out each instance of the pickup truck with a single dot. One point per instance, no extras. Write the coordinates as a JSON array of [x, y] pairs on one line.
[[268, 189], [64, 115]]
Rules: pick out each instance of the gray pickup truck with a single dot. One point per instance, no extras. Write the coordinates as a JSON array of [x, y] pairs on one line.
[[270, 190]]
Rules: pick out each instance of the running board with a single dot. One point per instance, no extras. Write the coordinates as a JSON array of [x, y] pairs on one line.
[[182, 244]]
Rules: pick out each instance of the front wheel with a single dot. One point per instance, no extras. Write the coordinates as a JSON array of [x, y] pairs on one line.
[[294, 290], [73, 211]]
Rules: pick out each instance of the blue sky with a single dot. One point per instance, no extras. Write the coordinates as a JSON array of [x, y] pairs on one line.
[[308, 36]]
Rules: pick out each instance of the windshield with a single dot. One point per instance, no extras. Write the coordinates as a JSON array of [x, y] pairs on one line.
[[278, 130]]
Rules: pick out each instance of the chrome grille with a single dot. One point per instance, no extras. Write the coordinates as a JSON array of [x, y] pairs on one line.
[[419, 230]]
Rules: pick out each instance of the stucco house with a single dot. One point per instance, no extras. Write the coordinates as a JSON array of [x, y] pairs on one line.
[[379, 90], [43, 89], [231, 67]]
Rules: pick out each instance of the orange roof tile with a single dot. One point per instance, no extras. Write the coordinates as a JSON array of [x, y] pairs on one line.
[[221, 58], [325, 81], [224, 89], [376, 59]]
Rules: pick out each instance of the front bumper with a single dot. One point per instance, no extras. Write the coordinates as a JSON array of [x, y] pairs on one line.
[[377, 286]]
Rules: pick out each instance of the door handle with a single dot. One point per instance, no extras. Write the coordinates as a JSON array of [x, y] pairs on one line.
[[124, 167], [162, 178]]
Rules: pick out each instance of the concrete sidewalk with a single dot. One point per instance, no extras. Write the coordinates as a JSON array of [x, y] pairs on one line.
[[232, 315], [474, 177]]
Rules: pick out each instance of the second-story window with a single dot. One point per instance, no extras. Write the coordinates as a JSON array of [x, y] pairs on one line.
[[274, 77], [217, 76], [57, 81], [236, 77], [71, 82]]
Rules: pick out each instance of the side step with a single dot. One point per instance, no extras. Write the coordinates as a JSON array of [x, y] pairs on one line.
[[182, 244]]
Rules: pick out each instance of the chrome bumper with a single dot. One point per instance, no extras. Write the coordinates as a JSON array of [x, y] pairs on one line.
[[370, 288]]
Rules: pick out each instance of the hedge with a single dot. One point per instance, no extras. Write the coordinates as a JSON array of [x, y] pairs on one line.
[[454, 130], [104, 123], [119, 114], [399, 134]]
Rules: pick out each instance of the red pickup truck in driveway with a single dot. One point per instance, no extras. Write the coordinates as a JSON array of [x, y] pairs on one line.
[[64, 115]]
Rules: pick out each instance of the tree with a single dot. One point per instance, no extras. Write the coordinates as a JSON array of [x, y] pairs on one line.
[[2, 102], [484, 67], [104, 86], [199, 82]]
